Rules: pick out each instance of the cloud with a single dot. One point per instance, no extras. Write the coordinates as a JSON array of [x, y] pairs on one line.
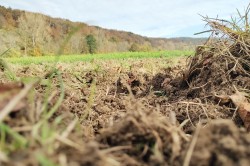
[[158, 18]]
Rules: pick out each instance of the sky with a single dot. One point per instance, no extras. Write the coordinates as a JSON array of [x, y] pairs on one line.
[[151, 18]]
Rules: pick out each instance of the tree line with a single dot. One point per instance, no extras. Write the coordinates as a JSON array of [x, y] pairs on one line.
[[34, 34]]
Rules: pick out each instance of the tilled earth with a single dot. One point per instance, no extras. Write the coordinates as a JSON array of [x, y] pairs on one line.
[[127, 112]]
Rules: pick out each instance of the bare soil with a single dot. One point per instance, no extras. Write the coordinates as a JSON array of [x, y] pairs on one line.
[[137, 112]]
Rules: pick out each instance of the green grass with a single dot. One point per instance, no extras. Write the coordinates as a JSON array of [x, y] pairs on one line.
[[89, 57]]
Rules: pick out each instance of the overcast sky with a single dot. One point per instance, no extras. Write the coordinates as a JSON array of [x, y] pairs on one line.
[[152, 18]]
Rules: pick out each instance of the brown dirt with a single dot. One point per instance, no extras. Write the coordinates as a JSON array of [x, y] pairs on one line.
[[221, 143], [150, 138], [137, 113]]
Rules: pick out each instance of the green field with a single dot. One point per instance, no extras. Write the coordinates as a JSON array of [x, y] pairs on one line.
[[89, 57]]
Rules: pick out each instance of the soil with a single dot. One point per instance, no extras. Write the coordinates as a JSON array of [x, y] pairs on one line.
[[221, 143], [135, 112]]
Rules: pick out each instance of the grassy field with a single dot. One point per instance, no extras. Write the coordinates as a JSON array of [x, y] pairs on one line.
[[89, 57]]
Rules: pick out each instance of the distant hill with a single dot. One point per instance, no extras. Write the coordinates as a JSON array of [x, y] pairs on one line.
[[26, 33]]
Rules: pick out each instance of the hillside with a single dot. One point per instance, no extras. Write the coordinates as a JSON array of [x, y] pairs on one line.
[[26, 33]]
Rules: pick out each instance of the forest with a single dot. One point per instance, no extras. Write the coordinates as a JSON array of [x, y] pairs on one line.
[[32, 34]]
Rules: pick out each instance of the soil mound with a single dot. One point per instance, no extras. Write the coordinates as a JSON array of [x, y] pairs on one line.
[[219, 69], [221, 143], [145, 137]]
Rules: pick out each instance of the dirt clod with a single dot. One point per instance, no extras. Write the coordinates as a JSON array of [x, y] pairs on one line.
[[221, 143]]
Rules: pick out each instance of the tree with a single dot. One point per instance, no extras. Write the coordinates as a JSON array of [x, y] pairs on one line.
[[134, 48], [91, 42], [33, 31], [146, 47], [77, 44]]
